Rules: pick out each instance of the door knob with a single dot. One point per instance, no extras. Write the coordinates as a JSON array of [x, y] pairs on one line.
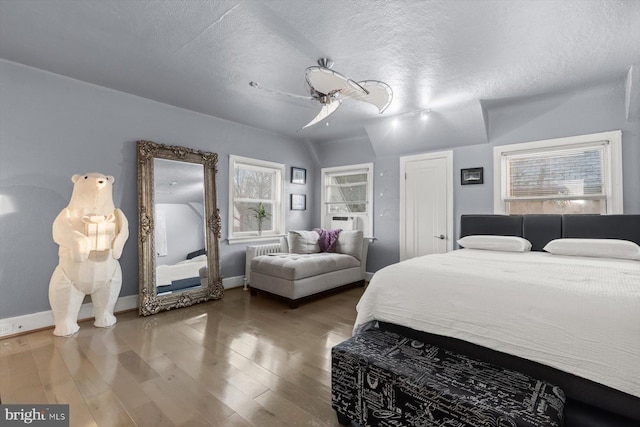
[[441, 237]]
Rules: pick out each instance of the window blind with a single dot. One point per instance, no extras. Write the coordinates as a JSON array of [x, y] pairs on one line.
[[566, 173]]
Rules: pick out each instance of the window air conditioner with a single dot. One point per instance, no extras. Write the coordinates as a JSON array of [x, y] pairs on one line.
[[345, 222]]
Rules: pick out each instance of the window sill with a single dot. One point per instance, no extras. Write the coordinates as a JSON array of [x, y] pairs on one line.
[[250, 239]]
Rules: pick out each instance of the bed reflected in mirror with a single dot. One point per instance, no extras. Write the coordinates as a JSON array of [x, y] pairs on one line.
[[179, 225], [181, 256]]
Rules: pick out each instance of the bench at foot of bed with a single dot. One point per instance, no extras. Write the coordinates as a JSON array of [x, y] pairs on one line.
[[381, 378]]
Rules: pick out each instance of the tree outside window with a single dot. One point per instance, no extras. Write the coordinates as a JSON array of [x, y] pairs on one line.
[[255, 184]]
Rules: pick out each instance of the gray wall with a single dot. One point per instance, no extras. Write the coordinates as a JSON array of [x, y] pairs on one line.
[[52, 127], [587, 110]]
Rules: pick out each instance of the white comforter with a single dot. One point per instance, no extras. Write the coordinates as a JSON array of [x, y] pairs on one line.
[[580, 315], [165, 274]]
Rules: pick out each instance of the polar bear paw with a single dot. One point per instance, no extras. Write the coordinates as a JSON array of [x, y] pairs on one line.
[[66, 329], [105, 321]]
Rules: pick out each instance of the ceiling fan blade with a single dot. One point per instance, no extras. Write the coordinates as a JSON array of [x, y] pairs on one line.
[[279, 92], [328, 82], [378, 94], [326, 111]]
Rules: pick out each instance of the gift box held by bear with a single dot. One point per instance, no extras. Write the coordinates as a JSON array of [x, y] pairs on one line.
[[91, 234]]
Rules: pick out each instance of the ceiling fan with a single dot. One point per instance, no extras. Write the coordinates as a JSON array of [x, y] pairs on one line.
[[330, 88]]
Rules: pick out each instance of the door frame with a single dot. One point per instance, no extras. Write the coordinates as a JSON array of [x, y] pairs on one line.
[[448, 156]]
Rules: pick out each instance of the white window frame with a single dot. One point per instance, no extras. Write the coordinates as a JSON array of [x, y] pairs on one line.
[[277, 218], [612, 158], [366, 218]]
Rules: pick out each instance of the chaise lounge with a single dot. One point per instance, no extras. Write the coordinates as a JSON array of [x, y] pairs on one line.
[[303, 270]]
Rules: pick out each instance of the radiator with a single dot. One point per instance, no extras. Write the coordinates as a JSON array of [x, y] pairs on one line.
[[257, 250]]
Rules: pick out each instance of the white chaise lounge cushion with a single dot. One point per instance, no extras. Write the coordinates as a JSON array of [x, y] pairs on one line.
[[350, 243], [300, 266], [304, 242]]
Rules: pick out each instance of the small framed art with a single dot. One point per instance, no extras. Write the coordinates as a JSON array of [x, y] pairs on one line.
[[298, 202], [471, 176], [298, 175]]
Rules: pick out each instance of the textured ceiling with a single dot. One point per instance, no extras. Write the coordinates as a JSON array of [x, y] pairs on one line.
[[178, 182], [446, 56]]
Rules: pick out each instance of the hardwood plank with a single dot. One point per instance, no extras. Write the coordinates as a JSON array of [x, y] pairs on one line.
[[241, 361], [176, 407], [22, 380], [208, 405], [233, 421], [108, 411], [289, 412], [128, 390], [150, 415], [50, 366], [137, 367], [88, 379]]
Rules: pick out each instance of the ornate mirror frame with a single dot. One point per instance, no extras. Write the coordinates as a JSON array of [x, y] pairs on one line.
[[150, 301]]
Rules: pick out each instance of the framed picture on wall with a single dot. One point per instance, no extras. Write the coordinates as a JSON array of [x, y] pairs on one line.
[[298, 175], [298, 202], [471, 176]]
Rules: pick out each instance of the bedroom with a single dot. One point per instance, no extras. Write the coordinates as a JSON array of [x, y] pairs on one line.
[[55, 121]]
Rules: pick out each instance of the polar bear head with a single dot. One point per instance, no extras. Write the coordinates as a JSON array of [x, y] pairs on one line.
[[92, 193]]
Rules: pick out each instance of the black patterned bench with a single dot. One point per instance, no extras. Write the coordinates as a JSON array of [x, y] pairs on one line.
[[381, 378]]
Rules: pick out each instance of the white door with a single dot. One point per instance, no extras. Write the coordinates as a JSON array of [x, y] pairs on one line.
[[426, 204]]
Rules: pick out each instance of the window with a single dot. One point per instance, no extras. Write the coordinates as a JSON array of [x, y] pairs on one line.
[[575, 175], [253, 182], [347, 196]]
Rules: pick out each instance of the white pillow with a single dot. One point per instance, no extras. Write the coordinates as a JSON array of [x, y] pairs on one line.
[[496, 243], [350, 242], [602, 248], [194, 259], [304, 242], [284, 244]]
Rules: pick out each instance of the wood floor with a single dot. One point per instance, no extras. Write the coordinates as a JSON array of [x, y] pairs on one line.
[[239, 361]]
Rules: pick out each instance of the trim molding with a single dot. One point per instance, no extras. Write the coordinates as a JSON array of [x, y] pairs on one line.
[[19, 325], [44, 319]]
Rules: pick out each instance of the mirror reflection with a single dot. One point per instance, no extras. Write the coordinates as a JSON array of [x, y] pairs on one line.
[[179, 227], [179, 219]]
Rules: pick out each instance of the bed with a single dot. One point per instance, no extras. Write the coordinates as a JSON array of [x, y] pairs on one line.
[[571, 320], [183, 275]]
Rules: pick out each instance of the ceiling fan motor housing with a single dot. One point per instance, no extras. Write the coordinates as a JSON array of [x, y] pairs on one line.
[[325, 62]]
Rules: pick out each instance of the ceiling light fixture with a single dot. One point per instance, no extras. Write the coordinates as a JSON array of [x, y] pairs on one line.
[[422, 114]]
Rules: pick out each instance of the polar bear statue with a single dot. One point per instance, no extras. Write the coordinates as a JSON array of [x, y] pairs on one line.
[[91, 234]]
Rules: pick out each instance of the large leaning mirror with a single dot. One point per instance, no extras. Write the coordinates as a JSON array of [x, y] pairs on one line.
[[179, 227]]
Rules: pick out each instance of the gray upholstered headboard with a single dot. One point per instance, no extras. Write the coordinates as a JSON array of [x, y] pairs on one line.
[[540, 229]]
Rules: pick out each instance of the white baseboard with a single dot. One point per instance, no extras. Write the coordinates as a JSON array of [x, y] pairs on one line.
[[233, 282], [44, 319], [368, 276]]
